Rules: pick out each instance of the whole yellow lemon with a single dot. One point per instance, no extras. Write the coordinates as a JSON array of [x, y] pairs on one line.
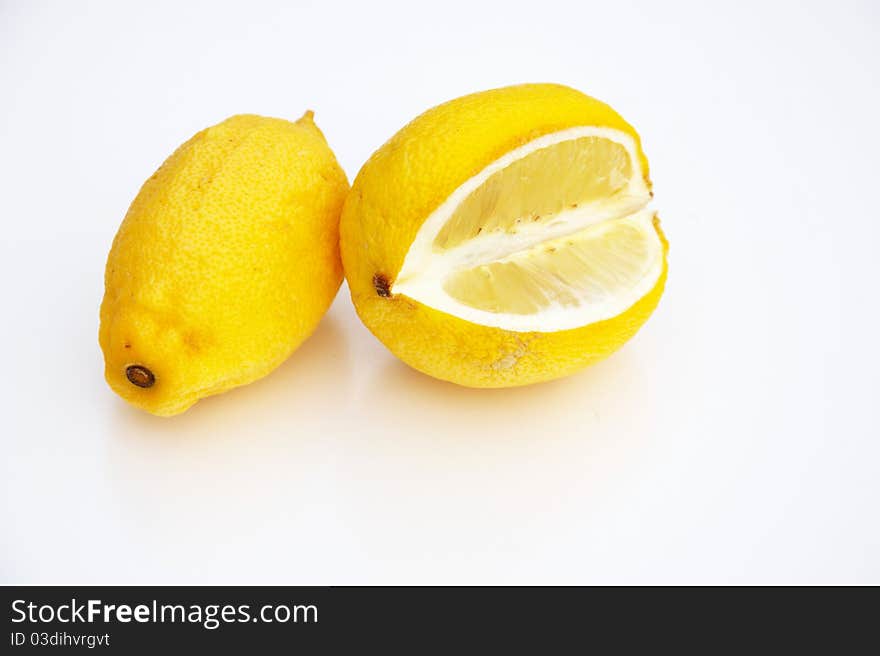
[[225, 262], [505, 238]]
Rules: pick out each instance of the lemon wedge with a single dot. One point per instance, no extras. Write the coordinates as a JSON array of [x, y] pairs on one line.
[[551, 236]]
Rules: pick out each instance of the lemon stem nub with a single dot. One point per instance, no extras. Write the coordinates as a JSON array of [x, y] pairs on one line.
[[139, 375], [382, 285]]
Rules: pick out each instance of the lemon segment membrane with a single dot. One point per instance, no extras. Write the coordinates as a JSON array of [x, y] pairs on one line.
[[553, 235]]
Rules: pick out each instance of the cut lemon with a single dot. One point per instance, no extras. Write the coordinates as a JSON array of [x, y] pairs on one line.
[[539, 255]]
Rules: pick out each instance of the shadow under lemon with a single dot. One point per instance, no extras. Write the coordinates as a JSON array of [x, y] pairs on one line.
[[527, 412]]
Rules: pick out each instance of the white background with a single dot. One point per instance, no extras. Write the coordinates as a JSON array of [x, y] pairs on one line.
[[734, 440]]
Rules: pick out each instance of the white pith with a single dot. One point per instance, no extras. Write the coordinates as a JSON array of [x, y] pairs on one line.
[[424, 271]]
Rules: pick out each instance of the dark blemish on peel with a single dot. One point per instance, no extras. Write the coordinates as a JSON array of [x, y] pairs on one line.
[[140, 376], [382, 285]]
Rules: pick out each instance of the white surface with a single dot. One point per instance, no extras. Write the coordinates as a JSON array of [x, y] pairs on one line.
[[734, 440]]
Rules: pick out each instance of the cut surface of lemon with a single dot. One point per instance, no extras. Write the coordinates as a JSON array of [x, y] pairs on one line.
[[553, 235]]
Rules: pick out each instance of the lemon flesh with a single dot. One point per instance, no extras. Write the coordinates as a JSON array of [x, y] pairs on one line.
[[579, 170], [602, 269], [551, 236]]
